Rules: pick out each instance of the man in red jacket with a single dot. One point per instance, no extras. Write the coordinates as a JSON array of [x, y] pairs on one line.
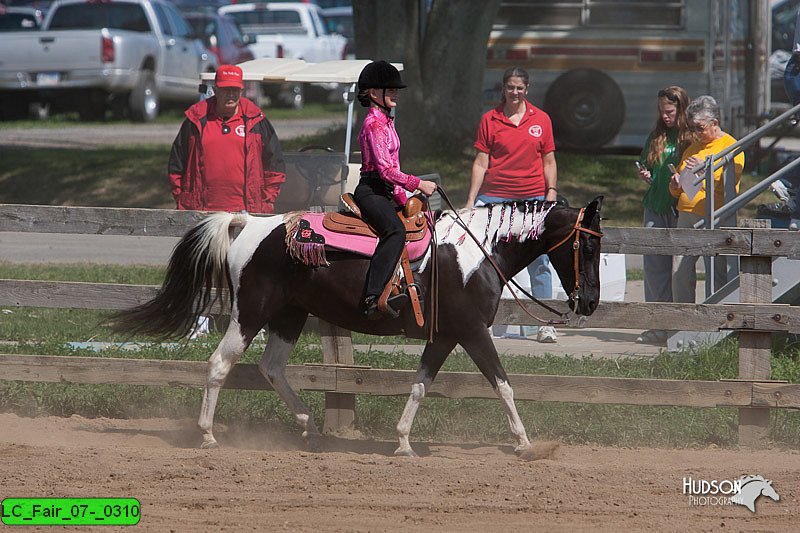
[[226, 156]]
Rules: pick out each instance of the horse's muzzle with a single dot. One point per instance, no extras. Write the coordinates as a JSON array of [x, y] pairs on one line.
[[583, 305]]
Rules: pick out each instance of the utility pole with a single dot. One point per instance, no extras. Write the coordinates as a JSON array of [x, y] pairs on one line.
[[757, 51]]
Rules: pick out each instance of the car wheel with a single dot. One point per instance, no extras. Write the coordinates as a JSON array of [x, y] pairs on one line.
[[144, 101], [587, 108]]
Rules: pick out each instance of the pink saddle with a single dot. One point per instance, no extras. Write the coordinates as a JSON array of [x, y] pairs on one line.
[[309, 241]]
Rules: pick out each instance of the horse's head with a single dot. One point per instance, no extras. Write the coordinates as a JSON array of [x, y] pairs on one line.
[[574, 251], [768, 491]]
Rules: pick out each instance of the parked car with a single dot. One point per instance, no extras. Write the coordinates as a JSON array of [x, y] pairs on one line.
[[20, 18], [292, 29], [91, 56], [221, 36]]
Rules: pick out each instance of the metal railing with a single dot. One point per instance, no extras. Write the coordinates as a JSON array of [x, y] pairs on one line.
[[726, 214]]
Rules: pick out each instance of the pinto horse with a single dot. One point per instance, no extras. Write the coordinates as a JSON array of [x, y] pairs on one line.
[[269, 288]]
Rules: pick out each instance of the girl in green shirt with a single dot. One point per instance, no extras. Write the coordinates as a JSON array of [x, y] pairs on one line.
[[663, 147]]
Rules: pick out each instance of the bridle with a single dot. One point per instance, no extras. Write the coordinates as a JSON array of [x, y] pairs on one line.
[[576, 232]]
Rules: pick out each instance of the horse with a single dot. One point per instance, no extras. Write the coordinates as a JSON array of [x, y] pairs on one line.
[[272, 289], [752, 487]]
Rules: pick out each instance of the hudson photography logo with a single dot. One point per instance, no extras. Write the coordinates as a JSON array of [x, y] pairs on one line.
[[743, 491]]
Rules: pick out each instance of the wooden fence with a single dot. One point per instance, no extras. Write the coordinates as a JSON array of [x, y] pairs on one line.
[[755, 318]]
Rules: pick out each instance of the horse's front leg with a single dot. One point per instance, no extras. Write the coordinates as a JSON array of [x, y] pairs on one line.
[[483, 352], [432, 359], [220, 363], [283, 335]]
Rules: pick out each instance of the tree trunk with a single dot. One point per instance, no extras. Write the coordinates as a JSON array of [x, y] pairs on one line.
[[444, 70]]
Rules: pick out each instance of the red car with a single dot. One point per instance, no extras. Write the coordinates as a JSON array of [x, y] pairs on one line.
[[221, 36]]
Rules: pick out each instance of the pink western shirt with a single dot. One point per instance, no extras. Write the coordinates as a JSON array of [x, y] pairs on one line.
[[380, 151]]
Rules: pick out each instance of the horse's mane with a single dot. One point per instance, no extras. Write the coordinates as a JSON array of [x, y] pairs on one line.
[[508, 221], [747, 479]]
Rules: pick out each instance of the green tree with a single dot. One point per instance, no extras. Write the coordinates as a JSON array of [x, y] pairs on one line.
[[444, 56]]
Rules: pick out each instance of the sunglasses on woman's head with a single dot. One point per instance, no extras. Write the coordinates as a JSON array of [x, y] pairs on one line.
[[669, 96]]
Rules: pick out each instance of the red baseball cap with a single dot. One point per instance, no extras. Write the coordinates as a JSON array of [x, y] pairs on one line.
[[229, 76]]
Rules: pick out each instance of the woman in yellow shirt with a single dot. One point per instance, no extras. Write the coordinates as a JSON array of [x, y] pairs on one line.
[[704, 117]]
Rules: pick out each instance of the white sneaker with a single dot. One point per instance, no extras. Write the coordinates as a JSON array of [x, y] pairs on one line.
[[794, 224], [547, 334]]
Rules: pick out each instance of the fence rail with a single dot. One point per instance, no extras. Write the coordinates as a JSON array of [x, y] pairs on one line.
[[619, 315], [378, 382], [754, 394]]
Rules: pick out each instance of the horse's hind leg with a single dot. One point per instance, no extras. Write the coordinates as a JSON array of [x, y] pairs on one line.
[[481, 349], [220, 363], [284, 331], [432, 359]]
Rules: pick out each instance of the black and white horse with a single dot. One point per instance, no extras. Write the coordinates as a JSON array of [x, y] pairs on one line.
[[271, 289]]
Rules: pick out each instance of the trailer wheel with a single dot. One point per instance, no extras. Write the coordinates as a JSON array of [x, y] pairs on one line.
[[144, 101], [587, 108]]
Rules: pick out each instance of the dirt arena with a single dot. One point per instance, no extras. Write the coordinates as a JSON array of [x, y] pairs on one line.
[[261, 481]]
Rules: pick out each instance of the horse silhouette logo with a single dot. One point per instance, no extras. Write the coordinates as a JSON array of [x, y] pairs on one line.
[[752, 488]]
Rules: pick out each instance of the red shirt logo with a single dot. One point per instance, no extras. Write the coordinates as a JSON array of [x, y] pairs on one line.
[[535, 130]]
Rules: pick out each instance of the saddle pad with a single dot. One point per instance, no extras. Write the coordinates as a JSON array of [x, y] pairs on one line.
[[352, 225], [359, 244]]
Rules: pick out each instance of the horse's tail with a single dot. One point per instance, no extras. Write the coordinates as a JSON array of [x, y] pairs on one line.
[[198, 264]]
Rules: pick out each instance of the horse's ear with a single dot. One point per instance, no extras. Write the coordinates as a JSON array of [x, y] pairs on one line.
[[593, 209]]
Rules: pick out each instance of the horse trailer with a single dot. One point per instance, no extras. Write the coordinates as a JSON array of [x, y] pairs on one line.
[[597, 65]]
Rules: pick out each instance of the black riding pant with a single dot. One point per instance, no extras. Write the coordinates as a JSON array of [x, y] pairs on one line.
[[374, 197]]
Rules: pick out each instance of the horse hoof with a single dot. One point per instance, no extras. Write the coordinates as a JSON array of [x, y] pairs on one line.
[[405, 452], [537, 451], [314, 443], [209, 445]]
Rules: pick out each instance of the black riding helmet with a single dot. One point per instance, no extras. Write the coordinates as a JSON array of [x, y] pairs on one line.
[[378, 75]]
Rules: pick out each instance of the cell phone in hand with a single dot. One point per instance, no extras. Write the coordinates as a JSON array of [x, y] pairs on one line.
[[639, 165]]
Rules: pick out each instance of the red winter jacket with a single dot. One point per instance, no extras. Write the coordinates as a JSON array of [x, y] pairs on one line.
[[264, 166]]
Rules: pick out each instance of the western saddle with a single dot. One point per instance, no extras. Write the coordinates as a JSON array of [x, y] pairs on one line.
[[415, 220]]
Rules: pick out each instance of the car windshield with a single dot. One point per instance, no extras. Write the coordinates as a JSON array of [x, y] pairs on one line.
[[203, 28], [268, 21], [121, 16]]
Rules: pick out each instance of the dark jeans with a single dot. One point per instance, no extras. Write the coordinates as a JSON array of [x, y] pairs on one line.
[[378, 208]]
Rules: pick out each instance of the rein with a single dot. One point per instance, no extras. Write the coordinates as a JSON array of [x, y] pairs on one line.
[[564, 317]]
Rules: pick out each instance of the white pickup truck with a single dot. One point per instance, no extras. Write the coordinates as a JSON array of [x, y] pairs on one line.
[[292, 30], [95, 55]]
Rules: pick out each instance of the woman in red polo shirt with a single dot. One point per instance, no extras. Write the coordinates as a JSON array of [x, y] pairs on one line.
[[516, 161]]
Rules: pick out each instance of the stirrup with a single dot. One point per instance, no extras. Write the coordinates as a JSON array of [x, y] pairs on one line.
[[395, 304]]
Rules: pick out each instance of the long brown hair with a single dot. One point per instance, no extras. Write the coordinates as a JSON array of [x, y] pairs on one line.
[[677, 96]]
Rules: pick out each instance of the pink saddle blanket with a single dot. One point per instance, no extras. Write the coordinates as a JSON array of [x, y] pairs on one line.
[[311, 232]]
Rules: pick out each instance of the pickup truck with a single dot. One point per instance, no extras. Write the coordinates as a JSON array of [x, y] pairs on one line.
[[96, 55], [291, 30]]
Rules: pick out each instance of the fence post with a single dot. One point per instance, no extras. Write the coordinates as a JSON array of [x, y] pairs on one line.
[[755, 347], [337, 349]]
